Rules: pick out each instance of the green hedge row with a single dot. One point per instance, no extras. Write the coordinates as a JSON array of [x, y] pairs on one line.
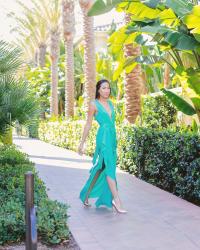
[[167, 159], [51, 215], [67, 134]]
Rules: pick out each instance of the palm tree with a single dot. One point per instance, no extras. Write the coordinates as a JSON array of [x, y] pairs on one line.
[[68, 28], [133, 83], [49, 11], [89, 52], [52, 11], [16, 100], [32, 29]]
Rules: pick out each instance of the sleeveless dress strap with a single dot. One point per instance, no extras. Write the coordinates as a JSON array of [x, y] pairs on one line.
[[94, 102]]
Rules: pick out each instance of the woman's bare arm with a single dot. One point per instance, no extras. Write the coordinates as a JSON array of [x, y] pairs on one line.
[[88, 124]]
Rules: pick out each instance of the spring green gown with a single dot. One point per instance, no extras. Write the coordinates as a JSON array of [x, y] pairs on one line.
[[104, 158]]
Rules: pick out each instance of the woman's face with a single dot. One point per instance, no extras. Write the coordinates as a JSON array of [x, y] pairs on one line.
[[104, 90]]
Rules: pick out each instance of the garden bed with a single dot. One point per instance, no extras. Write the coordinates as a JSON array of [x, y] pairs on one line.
[[51, 215], [70, 244]]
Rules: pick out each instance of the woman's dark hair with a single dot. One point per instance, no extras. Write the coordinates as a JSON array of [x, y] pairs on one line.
[[98, 86]]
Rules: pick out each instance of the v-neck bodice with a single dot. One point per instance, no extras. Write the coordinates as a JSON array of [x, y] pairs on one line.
[[102, 116], [110, 115]]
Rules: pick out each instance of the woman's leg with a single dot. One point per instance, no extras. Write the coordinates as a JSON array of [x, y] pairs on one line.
[[94, 181], [112, 186], [114, 191], [92, 184]]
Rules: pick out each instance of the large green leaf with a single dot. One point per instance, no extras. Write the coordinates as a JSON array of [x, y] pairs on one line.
[[176, 39], [197, 37], [194, 82], [151, 28], [169, 18], [196, 102], [179, 102], [193, 20], [151, 3], [138, 9], [147, 10], [181, 41], [102, 7], [180, 7]]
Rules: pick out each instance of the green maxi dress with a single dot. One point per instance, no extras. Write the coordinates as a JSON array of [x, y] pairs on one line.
[[104, 158]]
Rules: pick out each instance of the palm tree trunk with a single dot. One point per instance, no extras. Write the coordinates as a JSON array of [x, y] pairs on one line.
[[36, 58], [166, 72], [42, 53], [166, 75], [69, 85], [89, 53], [133, 84], [68, 28], [54, 48]]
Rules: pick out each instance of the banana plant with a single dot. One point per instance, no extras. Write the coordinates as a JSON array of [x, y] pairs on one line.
[[172, 26], [105, 70]]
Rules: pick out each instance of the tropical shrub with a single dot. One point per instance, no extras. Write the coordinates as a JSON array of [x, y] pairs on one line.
[[16, 99], [158, 112], [51, 215]]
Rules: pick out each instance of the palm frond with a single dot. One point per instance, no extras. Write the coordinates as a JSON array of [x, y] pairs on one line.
[[9, 58], [17, 102]]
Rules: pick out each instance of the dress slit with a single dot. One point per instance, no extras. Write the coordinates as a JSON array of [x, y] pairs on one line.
[[94, 180]]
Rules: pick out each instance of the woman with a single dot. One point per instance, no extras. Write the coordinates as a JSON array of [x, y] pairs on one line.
[[102, 181]]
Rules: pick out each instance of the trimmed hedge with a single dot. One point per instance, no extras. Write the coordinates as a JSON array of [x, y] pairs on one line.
[[167, 159], [158, 112], [51, 215], [67, 134]]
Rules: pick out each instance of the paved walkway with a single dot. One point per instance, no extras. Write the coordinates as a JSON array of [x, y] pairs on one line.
[[156, 220]]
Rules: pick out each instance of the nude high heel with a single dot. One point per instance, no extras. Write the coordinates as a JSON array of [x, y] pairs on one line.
[[117, 208], [87, 204]]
